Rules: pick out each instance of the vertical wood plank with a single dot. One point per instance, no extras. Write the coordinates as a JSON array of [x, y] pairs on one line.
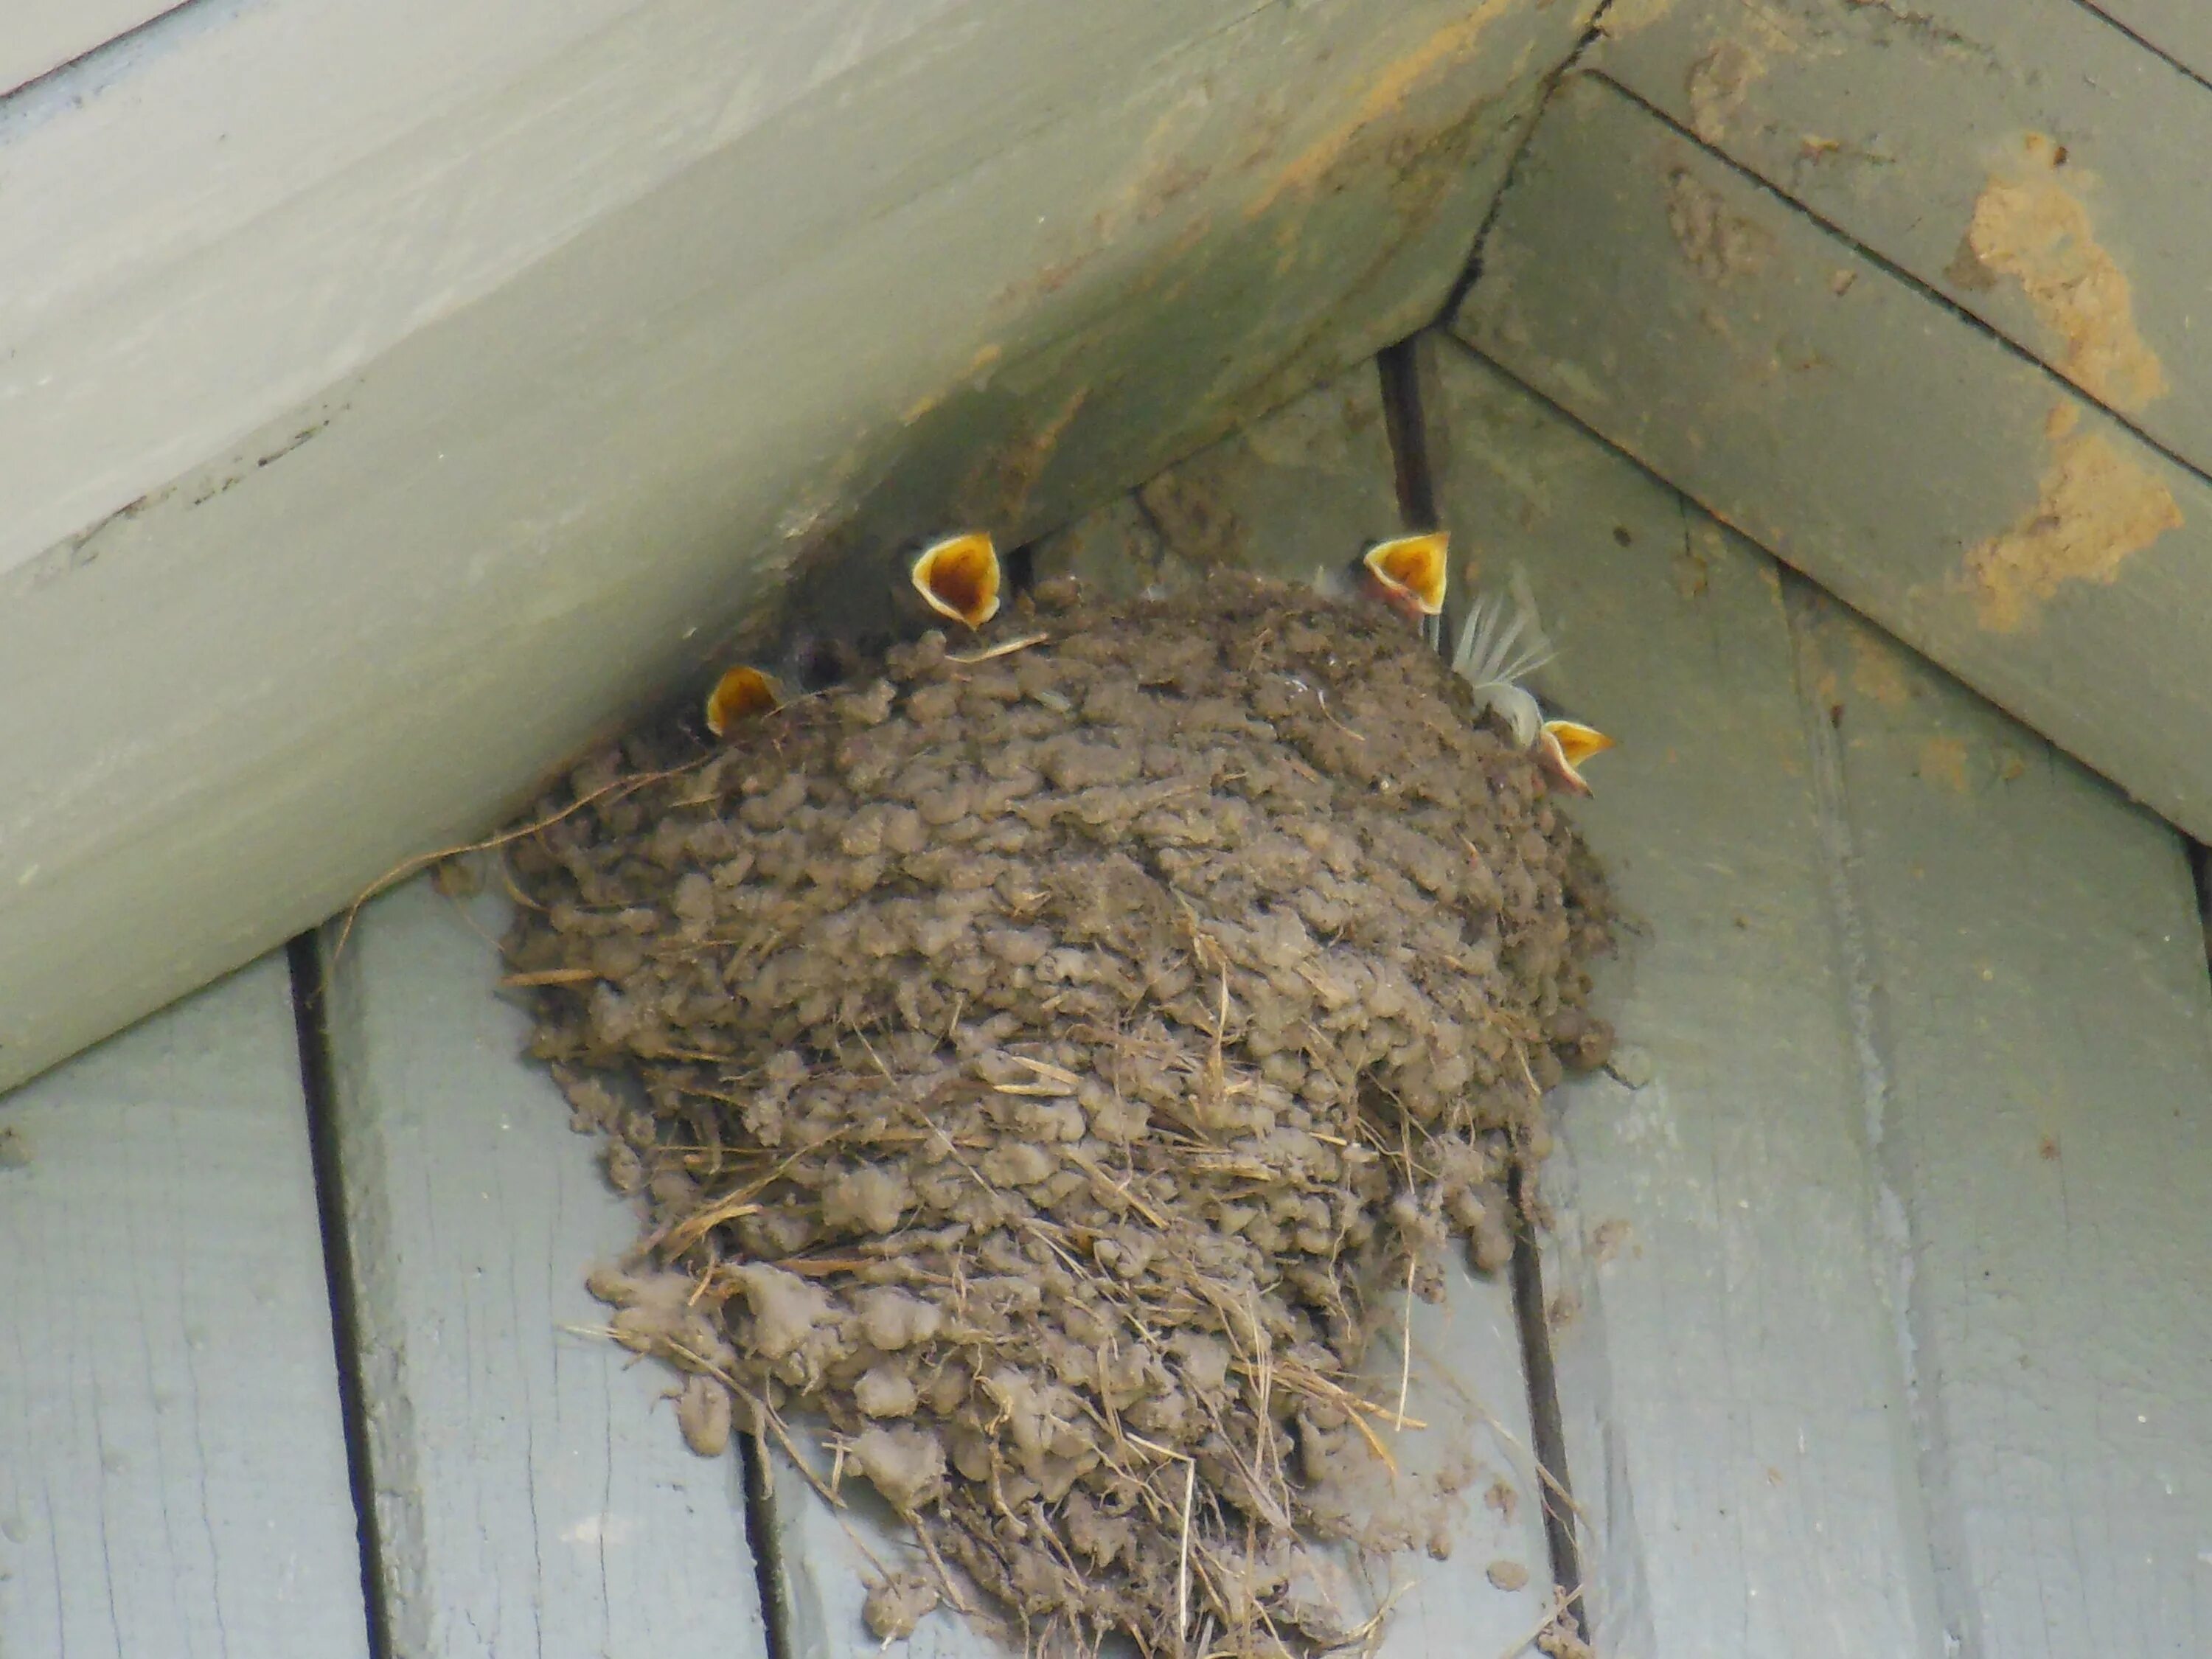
[[2042, 1019], [1728, 1370], [532, 1494], [173, 1466]]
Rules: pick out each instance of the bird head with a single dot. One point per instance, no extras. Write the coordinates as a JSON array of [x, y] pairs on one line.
[[1500, 645], [741, 693], [959, 577], [1562, 746], [1408, 573]]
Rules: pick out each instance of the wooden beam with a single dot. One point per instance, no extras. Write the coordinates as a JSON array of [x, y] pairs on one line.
[[43, 34], [1738, 1424], [174, 1479], [1965, 498], [2023, 158], [443, 413], [531, 1492]]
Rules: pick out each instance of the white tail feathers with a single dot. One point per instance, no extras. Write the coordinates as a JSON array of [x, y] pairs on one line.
[[1501, 644]]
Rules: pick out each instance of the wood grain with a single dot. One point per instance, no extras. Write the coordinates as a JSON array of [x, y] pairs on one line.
[[173, 1465], [532, 1494], [1967, 499], [1982, 1131], [2041, 1023], [1738, 1430], [370, 443]]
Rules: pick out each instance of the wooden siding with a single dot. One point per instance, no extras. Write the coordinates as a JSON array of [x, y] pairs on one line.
[[531, 1493], [173, 1464], [2023, 159]]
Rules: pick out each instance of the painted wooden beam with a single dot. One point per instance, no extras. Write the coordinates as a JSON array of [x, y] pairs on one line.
[[40, 35], [1965, 498], [532, 1493], [2023, 158], [1738, 1423], [369, 444], [173, 1463]]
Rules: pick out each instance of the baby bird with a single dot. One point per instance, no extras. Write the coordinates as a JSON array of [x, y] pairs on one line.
[[1407, 573], [955, 578], [959, 577], [741, 693], [1495, 652]]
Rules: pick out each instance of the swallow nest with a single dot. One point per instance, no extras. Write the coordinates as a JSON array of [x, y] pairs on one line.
[[1045, 1065]]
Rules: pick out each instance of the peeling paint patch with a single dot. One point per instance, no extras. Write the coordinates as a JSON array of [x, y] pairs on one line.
[[2030, 227], [1626, 17], [1444, 50], [1715, 86], [2094, 509], [1720, 246], [1944, 763], [1875, 670], [596, 1530]]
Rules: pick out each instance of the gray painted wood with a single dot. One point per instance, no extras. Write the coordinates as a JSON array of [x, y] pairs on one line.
[[1115, 551], [2035, 982], [172, 1466], [1932, 134], [42, 35], [533, 1495], [2179, 28], [1912, 1075], [1739, 1434], [433, 432], [1894, 453], [1301, 490], [1309, 485]]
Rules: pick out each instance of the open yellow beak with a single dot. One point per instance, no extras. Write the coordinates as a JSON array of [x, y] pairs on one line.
[[740, 693], [1562, 746], [1412, 572], [959, 578]]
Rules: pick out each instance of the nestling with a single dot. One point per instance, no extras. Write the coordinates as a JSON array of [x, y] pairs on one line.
[[1408, 573], [1495, 652]]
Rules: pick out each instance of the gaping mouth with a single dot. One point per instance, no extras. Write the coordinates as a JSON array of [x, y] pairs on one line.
[[959, 578]]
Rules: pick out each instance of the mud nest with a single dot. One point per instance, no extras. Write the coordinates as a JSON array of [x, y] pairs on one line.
[[1041, 1062]]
